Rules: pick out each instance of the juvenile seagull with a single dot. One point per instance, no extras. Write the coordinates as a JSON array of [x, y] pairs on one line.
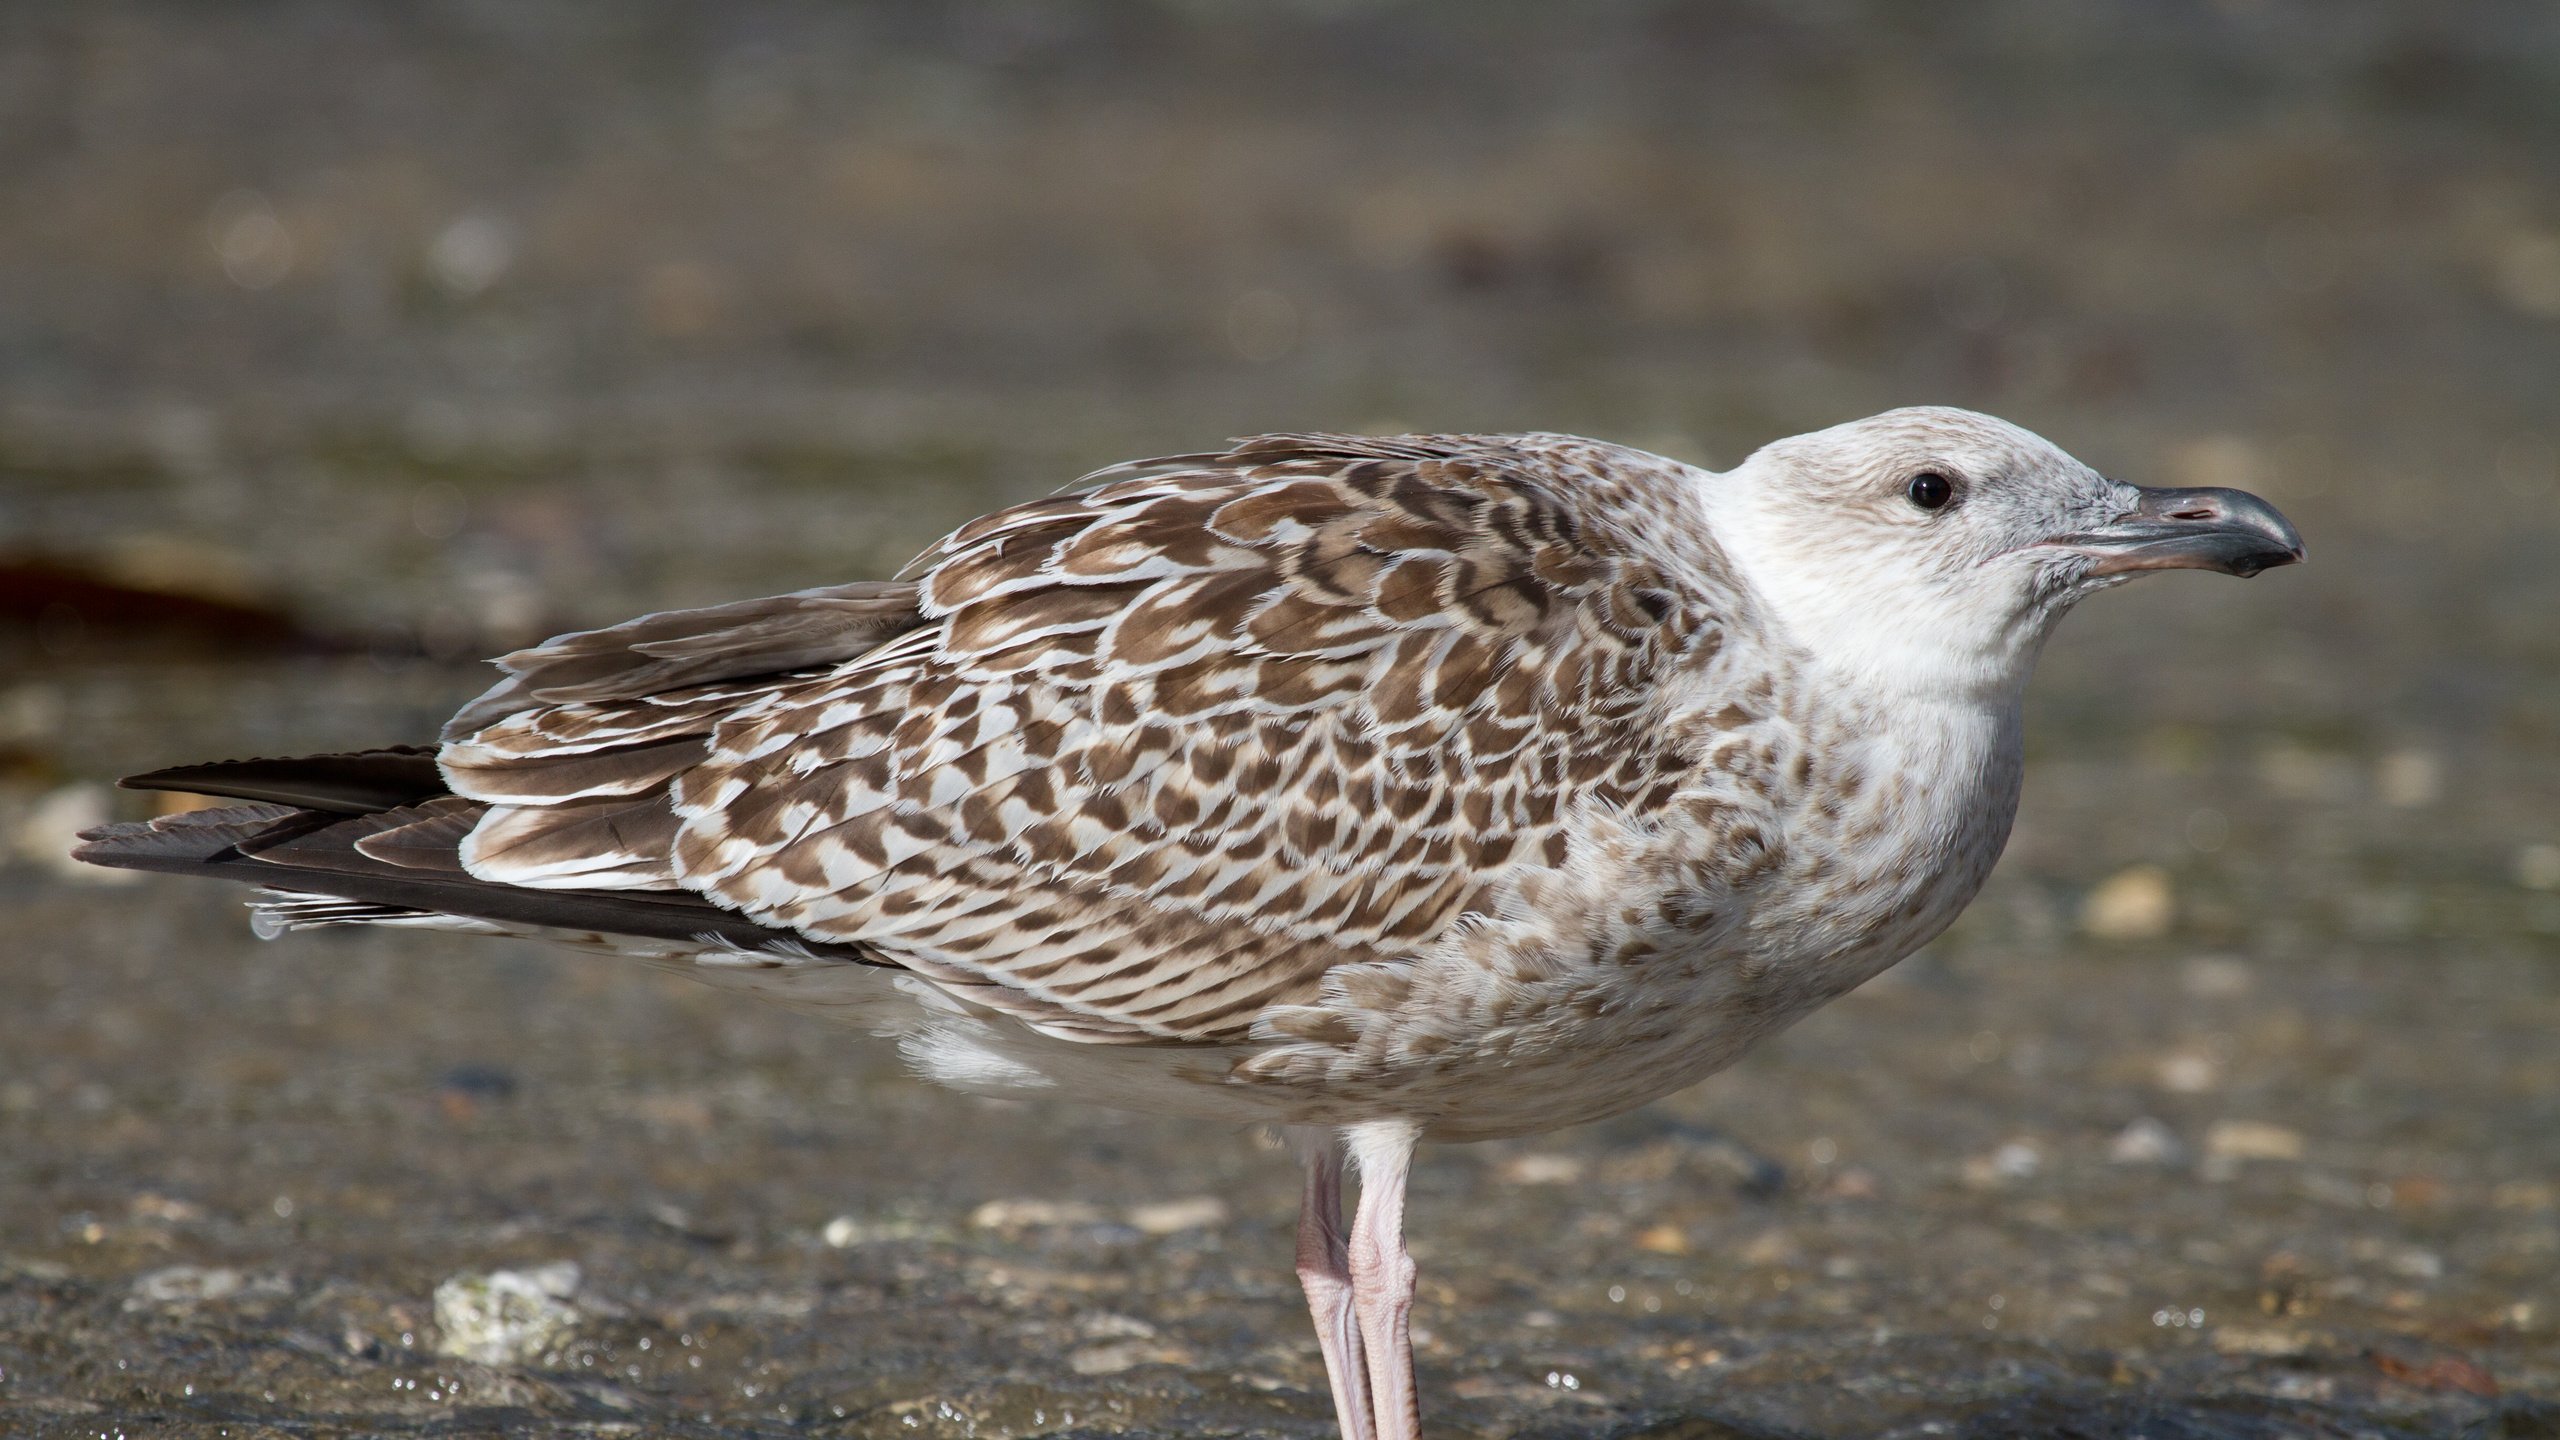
[[1435, 786]]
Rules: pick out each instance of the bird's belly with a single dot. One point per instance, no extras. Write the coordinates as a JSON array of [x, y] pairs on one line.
[[1514, 1059], [1496, 1042]]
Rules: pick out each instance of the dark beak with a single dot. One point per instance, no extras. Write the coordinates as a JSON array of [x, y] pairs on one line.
[[2232, 531]]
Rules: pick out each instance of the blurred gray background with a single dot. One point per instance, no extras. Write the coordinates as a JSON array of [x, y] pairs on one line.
[[342, 344]]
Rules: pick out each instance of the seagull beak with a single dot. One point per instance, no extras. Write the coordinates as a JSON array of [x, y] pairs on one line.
[[2232, 531]]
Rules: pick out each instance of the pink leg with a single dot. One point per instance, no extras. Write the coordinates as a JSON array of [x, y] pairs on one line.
[[1324, 1268], [1382, 1274]]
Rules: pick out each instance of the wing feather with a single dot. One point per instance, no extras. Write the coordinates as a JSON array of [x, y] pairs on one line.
[[1141, 763], [676, 649]]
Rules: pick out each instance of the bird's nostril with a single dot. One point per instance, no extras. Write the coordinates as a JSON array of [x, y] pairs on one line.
[[2197, 512]]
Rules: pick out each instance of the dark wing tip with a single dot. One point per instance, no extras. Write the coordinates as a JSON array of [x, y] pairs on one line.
[[349, 784]]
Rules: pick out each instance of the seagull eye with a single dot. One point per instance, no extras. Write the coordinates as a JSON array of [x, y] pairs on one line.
[[1930, 490]]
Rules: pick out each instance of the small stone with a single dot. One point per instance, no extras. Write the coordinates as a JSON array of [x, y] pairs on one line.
[[1853, 1182], [2017, 1160], [2252, 1140], [1106, 1359], [1026, 1213], [2416, 1192], [179, 1286], [2524, 1195], [2525, 271], [2538, 867], [1111, 1325], [1540, 1168], [2217, 977], [2293, 1385], [848, 1231], [2416, 1264], [2410, 779], [1125, 1355], [2136, 903], [170, 1211], [760, 1304], [30, 714], [1663, 1239], [679, 1112], [2266, 1342], [2445, 1372], [2185, 1072], [1771, 1248], [506, 1317], [1166, 1217], [2146, 1142], [2297, 773]]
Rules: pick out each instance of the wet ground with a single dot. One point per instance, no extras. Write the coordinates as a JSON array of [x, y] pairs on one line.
[[2232, 1109]]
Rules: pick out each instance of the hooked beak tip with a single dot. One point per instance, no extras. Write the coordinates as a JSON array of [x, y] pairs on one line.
[[2193, 528]]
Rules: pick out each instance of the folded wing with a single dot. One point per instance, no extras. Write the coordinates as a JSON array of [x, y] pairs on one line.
[[1138, 763]]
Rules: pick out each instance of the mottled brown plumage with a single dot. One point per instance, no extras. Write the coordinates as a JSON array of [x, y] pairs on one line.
[[1434, 785], [1156, 758]]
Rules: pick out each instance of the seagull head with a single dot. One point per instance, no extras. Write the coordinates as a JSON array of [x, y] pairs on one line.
[[1933, 548]]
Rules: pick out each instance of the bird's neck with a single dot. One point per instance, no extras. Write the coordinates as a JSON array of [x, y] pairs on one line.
[[1876, 648]]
